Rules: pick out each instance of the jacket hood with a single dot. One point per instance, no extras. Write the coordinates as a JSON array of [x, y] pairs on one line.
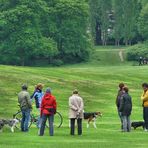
[[47, 96]]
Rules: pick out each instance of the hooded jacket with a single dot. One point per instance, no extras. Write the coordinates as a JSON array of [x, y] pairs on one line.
[[48, 103]]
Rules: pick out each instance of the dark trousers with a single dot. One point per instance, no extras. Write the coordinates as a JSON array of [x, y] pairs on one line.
[[72, 126], [43, 124], [145, 116], [119, 114]]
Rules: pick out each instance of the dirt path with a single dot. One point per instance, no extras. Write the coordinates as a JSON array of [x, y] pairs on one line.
[[121, 55]]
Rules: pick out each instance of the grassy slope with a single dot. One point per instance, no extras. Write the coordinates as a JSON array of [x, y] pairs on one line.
[[97, 85]]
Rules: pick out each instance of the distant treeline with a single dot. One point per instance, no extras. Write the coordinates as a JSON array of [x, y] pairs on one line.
[[35, 32], [119, 21]]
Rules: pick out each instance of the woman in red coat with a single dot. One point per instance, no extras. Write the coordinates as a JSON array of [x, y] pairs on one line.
[[48, 109]]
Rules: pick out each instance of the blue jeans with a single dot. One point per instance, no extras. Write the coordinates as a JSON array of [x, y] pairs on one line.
[[126, 123], [43, 124], [38, 124], [25, 119]]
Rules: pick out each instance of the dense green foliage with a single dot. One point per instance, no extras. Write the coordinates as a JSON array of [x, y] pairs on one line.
[[143, 22], [136, 51], [43, 29]]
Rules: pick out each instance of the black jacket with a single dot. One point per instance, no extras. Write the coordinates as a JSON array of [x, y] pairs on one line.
[[125, 105]]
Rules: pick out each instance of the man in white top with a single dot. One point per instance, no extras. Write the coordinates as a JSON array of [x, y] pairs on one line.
[[76, 112]]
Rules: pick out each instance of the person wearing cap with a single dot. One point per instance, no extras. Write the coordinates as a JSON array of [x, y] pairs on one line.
[[76, 112], [37, 95], [25, 106], [48, 109], [144, 98], [118, 100], [126, 108]]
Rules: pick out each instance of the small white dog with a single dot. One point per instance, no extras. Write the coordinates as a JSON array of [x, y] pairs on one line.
[[10, 122]]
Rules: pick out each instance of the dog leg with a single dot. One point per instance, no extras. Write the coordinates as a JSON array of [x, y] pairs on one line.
[[94, 123], [88, 123], [12, 129], [1, 130]]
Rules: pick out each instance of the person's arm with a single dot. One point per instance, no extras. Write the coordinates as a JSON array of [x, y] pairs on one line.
[[121, 104], [33, 95], [42, 107], [71, 105], [28, 101], [81, 106], [117, 99], [131, 104], [55, 105], [144, 97]]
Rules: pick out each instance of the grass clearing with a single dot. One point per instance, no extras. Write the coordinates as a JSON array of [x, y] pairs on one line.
[[98, 87]]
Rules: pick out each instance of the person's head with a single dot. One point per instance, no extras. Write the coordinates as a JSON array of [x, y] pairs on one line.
[[24, 87], [121, 85], [145, 86], [75, 92], [48, 90], [125, 89], [39, 86]]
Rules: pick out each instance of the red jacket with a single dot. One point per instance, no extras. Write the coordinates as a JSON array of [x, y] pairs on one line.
[[48, 102]]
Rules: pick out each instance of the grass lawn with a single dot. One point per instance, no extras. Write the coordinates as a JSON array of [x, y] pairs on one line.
[[98, 87]]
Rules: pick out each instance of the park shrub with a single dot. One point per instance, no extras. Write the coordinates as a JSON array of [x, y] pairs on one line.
[[136, 51]]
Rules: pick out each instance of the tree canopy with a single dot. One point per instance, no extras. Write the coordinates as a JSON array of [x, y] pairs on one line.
[[44, 29]]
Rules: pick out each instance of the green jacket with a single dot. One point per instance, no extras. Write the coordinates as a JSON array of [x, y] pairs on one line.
[[24, 100]]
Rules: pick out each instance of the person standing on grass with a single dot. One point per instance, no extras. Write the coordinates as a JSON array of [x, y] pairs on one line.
[[75, 112], [144, 98], [125, 108], [25, 106], [37, 95], [48, 109], [118, 100]]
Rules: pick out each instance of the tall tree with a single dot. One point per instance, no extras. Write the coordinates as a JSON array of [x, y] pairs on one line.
[[21, 35], [118, 25], [106, 7], [143, 22], [95, 20], [129, 19], [71, 19]]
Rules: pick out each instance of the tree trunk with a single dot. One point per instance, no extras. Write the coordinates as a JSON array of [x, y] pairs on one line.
[[98, 33], [126, 42]]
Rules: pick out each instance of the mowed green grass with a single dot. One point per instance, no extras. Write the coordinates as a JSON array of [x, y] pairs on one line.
[[98, 87]]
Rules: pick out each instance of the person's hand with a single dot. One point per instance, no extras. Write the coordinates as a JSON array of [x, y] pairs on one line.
[[78, 115]]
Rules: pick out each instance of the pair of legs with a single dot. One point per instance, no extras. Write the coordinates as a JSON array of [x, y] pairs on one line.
[[119, 114], [72, 126], [43, 124], [38, 124], [145, 117], [25, 119], [126, 123]]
